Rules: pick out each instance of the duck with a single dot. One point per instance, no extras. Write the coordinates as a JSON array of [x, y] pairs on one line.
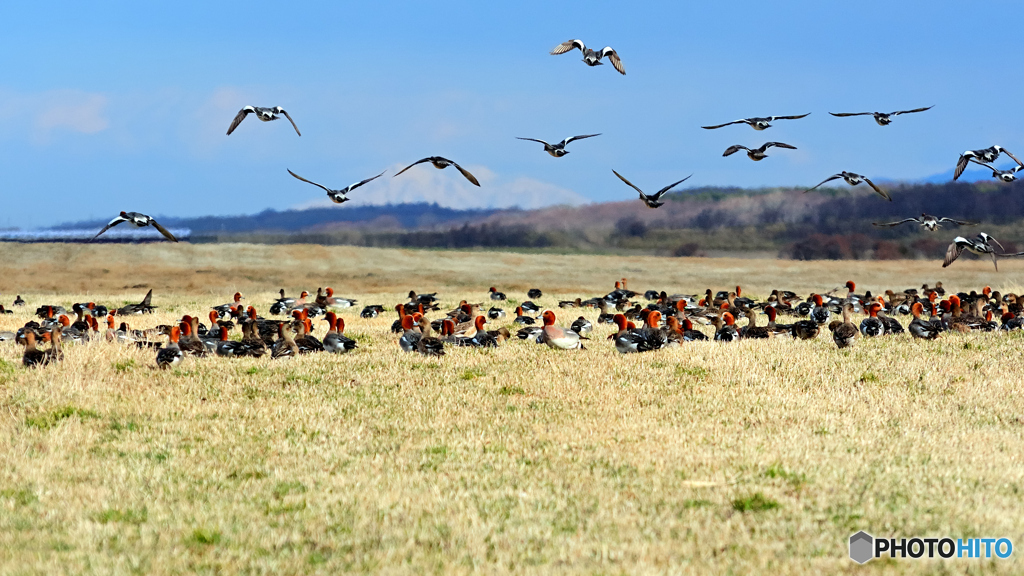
[[872, 326], [558, 150], [522, 318], [372, 311], [820, 313], [225, 309], [33, 356], [981, 247], [414, 340], [228, 348], [532, 333], [557, 337], [881, 118], [577, 303], [190, 342], [853, 179], [757, 123], [591, 57], [285, 305], [332, 301], [494, 313], [5, 310], [928, 222], [305, 340], [805, 329], [170, 355], [845, 334], [442, 163], [335, 340], [264, 114], [986, 155], [628, 341], [495, 295], [425, 299], [338, 196], [689, 334], [1006, 176], [725, 328], [252, 343], [582, 326], [285, 347], [530, 307], [481, 338], [752, 330], [534, 293], [144, 307], [921, 328], [756, 154], [18, 301], [138, 220], [653, 200]]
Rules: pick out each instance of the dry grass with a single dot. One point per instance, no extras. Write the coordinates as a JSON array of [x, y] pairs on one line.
[[709, 458]]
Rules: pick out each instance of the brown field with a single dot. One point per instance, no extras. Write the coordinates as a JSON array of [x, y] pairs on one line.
[[744, 458]]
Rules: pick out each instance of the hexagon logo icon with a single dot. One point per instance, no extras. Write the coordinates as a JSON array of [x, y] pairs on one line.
[[862, 547]]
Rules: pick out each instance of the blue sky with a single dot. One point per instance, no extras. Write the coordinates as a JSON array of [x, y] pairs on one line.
[[124, 106]]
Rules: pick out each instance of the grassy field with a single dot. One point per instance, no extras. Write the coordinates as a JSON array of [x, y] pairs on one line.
[[741, 458]]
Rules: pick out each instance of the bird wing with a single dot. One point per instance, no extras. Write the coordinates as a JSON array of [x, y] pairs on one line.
[[997, 243], [959, 222], [1007, 152], [614, 57], [880, 192], [112, 223], [734, 149], [466, 173], [411, 165], [952, 253], [628, 183], [976, 161], [239, 117], [662, 192], [768, 145], [829, 179], [726, 124], [358, 184], [845, 114], [911, 111], [163, 230], [290, 120], [961, 165], [309, 181], [571, 138], [773, 118], [904, 221], [541, 141], [568, 45]]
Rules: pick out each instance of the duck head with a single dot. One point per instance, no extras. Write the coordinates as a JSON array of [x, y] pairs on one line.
[[549, 318]]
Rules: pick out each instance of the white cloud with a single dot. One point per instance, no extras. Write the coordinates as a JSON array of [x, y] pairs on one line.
[[447, 188], [43, 113]]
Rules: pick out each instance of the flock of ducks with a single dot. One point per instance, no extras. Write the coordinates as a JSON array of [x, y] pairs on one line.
[[984, 157], [663, 321]]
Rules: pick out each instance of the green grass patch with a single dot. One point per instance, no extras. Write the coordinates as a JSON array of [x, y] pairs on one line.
[[126, 516], [511, 391], [203, 537], [20, 496], [796, 480], [472, 373], [124, 366], [52, 419], [756, 502]]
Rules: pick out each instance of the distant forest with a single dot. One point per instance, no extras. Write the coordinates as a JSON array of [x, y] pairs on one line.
[[833, 223]]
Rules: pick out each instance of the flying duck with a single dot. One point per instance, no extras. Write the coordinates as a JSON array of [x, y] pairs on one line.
[[986, 155], [591, 57], [139, 221], [853, 180], [558, 150], [654, 200], [928, 222], [1004, 175], [881, 118], [756, 154], [264, 114], [757, 123], [337, 196], [981, 247], [441, 163]]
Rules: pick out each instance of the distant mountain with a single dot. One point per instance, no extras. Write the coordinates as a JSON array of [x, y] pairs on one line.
[[400, 216]]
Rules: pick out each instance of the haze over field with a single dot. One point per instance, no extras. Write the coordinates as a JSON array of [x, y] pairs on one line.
[[124, 106]]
